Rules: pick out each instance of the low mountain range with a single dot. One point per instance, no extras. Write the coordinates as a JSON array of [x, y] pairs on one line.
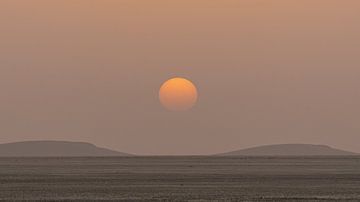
[[289, 150], [73, 149]]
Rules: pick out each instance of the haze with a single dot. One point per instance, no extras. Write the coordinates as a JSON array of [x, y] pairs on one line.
[[268, 72]]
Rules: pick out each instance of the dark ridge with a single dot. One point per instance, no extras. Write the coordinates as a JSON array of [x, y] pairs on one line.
[[54, 148], [289, 150]]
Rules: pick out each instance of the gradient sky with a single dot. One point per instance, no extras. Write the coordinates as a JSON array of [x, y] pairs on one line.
[[280, 71]]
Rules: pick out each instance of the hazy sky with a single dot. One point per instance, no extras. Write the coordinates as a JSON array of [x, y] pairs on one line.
[[280, 71]]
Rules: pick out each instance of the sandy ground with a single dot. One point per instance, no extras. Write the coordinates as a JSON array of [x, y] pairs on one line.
[[181, 179]]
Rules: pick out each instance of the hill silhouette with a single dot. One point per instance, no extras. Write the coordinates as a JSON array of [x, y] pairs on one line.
[[54, 148], [289, 150]]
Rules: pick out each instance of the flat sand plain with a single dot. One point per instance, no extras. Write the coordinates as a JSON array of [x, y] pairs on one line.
[[187, 178]]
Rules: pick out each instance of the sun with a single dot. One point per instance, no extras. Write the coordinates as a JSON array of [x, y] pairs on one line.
[[178, 94]]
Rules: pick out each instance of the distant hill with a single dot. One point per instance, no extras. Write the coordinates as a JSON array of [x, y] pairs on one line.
[[54, 148], [289, 150]]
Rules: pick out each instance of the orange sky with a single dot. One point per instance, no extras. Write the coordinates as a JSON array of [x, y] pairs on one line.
[[267, 72]]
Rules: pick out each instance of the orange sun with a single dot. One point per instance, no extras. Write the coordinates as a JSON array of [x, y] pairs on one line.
[[178, 94]]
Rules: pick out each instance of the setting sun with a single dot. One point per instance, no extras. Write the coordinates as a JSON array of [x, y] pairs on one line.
[[178, 94]]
